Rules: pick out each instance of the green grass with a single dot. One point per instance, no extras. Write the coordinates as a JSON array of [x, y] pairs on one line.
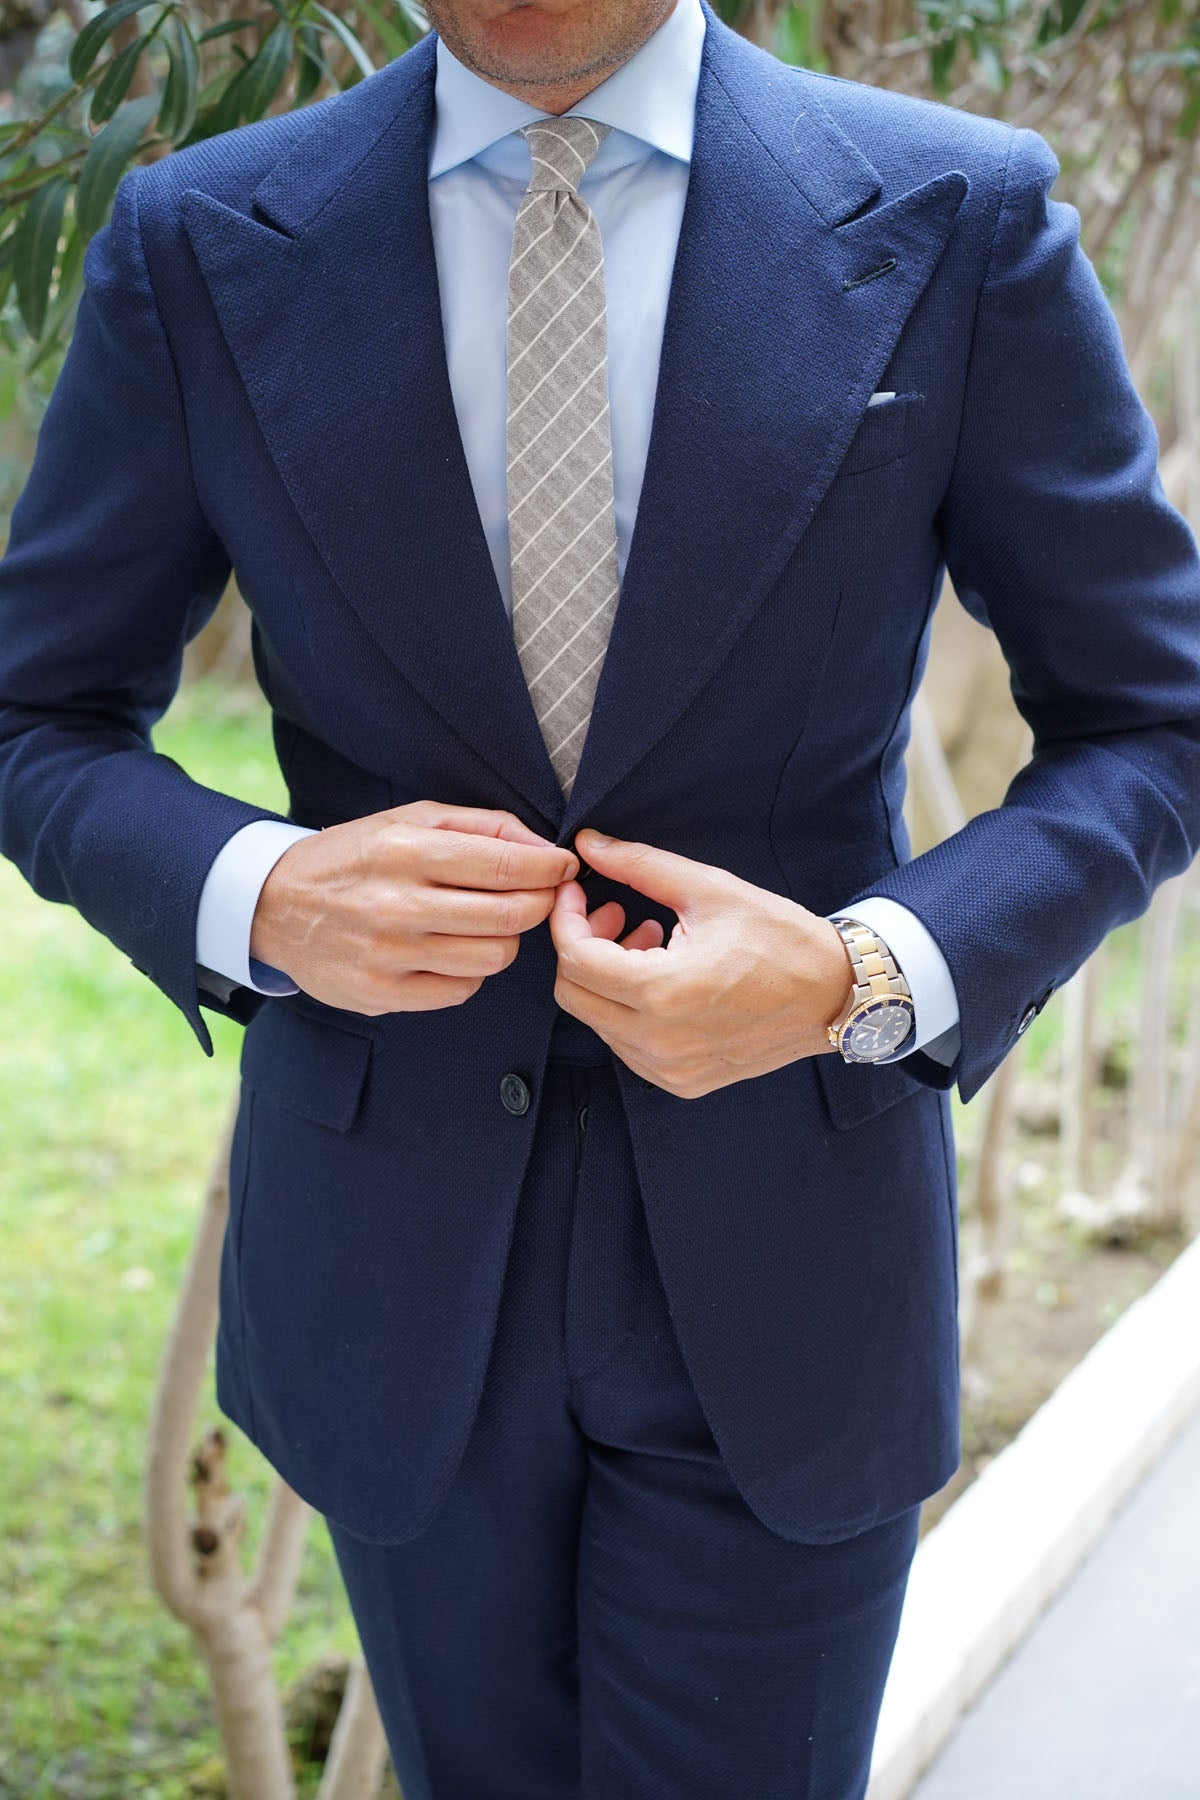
[[109, 1112]]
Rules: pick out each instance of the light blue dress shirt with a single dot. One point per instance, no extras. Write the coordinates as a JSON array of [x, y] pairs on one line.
[[636, 185]]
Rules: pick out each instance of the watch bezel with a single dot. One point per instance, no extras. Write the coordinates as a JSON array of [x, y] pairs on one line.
[[875, 1003]]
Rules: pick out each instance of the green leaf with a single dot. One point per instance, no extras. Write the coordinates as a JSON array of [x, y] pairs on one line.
[[394, 38], [17, 162], [216, 108], [266, 73], [6, 266], [226, 112], [1186, 56], [51, 345], [416, 16], [107, 160], [177, 113], [346, 37], [312, 64], [941, 61], [223, 30], [10, 384], [212, 90], [792, 35], [34, 251], [114, 83], [991, 63], [1188, 122], [70, 281], [95, 35]]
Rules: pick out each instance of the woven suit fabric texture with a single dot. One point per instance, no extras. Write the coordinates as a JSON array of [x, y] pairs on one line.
[[562, 531]]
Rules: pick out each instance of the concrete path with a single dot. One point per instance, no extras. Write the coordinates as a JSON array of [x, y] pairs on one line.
[[1102, 1699]]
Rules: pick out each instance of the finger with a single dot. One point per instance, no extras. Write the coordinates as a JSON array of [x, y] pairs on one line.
[[441, 953], [480, 821], [594, 962], [466, 859], [569, 915], [421, 991], [607, 919], [611, 1018], [470, 912], [604, 967], [684, 885], [358, 989], [646, 936]]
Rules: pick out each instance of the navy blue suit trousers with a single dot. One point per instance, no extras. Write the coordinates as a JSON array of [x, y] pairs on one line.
[[593, 1610]]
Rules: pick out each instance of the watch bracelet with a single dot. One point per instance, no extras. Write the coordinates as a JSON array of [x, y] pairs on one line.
[[873, 966]]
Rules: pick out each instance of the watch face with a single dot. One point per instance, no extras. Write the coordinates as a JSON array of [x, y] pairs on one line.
[[877, 1029]]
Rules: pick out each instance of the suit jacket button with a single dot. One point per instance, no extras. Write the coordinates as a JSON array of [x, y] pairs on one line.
[[514, 1093], [1027, 1018]]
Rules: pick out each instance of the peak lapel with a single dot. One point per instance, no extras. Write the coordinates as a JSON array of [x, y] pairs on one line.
[[331, 311], [767, 366], [328, 300]]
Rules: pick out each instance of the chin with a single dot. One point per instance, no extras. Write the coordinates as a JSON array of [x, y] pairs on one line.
[[525, 44]]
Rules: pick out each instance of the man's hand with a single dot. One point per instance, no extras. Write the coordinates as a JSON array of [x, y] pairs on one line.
[[406, 910], [747, 982]]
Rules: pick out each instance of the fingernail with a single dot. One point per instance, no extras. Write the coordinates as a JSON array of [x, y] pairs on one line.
[[597, 837]]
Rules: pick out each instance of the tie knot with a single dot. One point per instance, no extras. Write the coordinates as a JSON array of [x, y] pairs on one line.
[[561, 149]]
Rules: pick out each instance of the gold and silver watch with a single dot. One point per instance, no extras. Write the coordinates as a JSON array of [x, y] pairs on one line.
[[881, 1013]]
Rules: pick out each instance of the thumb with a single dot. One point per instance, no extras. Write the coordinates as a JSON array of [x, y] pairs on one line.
[[684, 885]]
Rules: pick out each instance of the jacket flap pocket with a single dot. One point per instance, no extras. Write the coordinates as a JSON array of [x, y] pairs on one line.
[[885, 431], [308, 1066], [855, 1092]]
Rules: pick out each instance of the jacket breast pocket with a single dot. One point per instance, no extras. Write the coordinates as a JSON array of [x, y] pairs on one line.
[[886, 431], [856, 1092], [310, 1065]]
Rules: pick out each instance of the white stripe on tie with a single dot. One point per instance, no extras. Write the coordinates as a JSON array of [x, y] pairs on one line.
[[562, 533]]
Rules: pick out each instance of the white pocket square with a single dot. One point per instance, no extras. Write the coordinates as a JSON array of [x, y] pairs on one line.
[[881, 395]]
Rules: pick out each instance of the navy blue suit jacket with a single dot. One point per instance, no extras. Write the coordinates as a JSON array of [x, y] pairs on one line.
[[257, 380]]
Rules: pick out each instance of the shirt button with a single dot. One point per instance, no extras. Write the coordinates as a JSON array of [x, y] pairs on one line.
[[514, 1093], [1030, 1014]]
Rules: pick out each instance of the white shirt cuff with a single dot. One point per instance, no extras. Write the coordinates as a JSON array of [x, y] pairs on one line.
[[920, 961], [229, 897]]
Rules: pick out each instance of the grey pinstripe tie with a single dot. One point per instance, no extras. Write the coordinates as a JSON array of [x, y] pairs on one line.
[[562, 534]]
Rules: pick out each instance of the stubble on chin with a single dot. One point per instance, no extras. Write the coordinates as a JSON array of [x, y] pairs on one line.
[[556, 66]]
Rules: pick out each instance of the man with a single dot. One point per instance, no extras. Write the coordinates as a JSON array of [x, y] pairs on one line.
[[591, 1261]]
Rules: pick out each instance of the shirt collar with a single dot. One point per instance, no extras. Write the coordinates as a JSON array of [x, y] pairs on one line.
[[651, 99]]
